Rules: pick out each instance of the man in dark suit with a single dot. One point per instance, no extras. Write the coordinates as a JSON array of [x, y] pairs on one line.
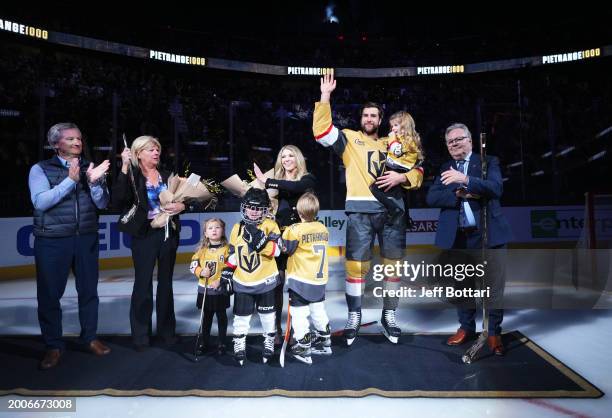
[[459, 191]]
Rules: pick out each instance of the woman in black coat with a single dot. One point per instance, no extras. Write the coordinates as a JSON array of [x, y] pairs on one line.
[[291, 179], [138, 200]]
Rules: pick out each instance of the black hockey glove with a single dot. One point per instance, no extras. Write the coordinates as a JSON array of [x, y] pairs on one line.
[[254, 237], [226, 284]]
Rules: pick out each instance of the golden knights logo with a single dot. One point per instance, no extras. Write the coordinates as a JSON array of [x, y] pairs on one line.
[[248, 262], [376, 163]]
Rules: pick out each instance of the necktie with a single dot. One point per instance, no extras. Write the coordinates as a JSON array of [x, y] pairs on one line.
[[466, 216]]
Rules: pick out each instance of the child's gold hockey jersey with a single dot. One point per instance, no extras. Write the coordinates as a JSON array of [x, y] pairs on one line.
[[363, 158], [307, 265], [214, 257], [405, 157], [254, 272]]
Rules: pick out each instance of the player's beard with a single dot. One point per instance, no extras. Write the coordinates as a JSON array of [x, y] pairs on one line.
[[369, 130]]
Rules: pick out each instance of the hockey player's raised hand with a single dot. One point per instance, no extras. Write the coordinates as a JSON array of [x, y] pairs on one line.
[[328, 85]]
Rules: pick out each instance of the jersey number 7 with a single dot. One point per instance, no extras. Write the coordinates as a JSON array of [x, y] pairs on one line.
[[320, 249]]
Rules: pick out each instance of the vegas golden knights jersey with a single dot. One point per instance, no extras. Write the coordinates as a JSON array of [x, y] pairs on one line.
[[254, 272], [307, 265], [213, 257], [408, 159], [363, 158]]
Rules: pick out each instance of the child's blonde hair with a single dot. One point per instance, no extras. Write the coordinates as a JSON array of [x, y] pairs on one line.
[[308, 207], [408, 130], [205, 242]]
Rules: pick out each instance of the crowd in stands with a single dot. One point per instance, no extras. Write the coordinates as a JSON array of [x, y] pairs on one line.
[[219, 122]]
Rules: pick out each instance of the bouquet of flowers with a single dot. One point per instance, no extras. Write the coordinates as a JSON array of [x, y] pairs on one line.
[[239, 187], [180, 190]]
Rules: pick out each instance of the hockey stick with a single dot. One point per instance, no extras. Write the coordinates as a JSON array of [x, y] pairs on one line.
[[472, 352], [287, 336], [339, 332], [195, 351]]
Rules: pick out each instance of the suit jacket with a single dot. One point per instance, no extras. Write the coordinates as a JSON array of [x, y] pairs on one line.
[[442, 196], [122, 199]]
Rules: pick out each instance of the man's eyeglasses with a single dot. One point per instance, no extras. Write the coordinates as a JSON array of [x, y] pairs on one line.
[[455, 140]]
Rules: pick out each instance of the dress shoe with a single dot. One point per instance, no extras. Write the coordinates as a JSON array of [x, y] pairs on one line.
[[98, 348], [51, 359], [459, 337], [496, 345]]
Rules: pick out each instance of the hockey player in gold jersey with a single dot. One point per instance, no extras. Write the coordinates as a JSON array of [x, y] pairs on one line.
[[363, 154], [307, 274], [251, 271]]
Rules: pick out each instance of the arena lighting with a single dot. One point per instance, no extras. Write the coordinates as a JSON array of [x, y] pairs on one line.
[[441, 69], [10, 113], [329, 14], [571, 56], [176, 58], [537, 173], [597, 156], [547, 154], [318, 71], [604, 132], [516, 164], [22, 29], [505, 179], [219, 159], [200, 143], [566, 151], [100, 45], [267, 149]]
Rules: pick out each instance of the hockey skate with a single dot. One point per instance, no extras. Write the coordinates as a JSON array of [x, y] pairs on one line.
[[301, 350], [352, 326], [268, 347], [321, 342], [240, 348], [390, 328]]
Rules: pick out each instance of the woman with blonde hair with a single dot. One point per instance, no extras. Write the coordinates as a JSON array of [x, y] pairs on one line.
[[291, 179], [136, 193]]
